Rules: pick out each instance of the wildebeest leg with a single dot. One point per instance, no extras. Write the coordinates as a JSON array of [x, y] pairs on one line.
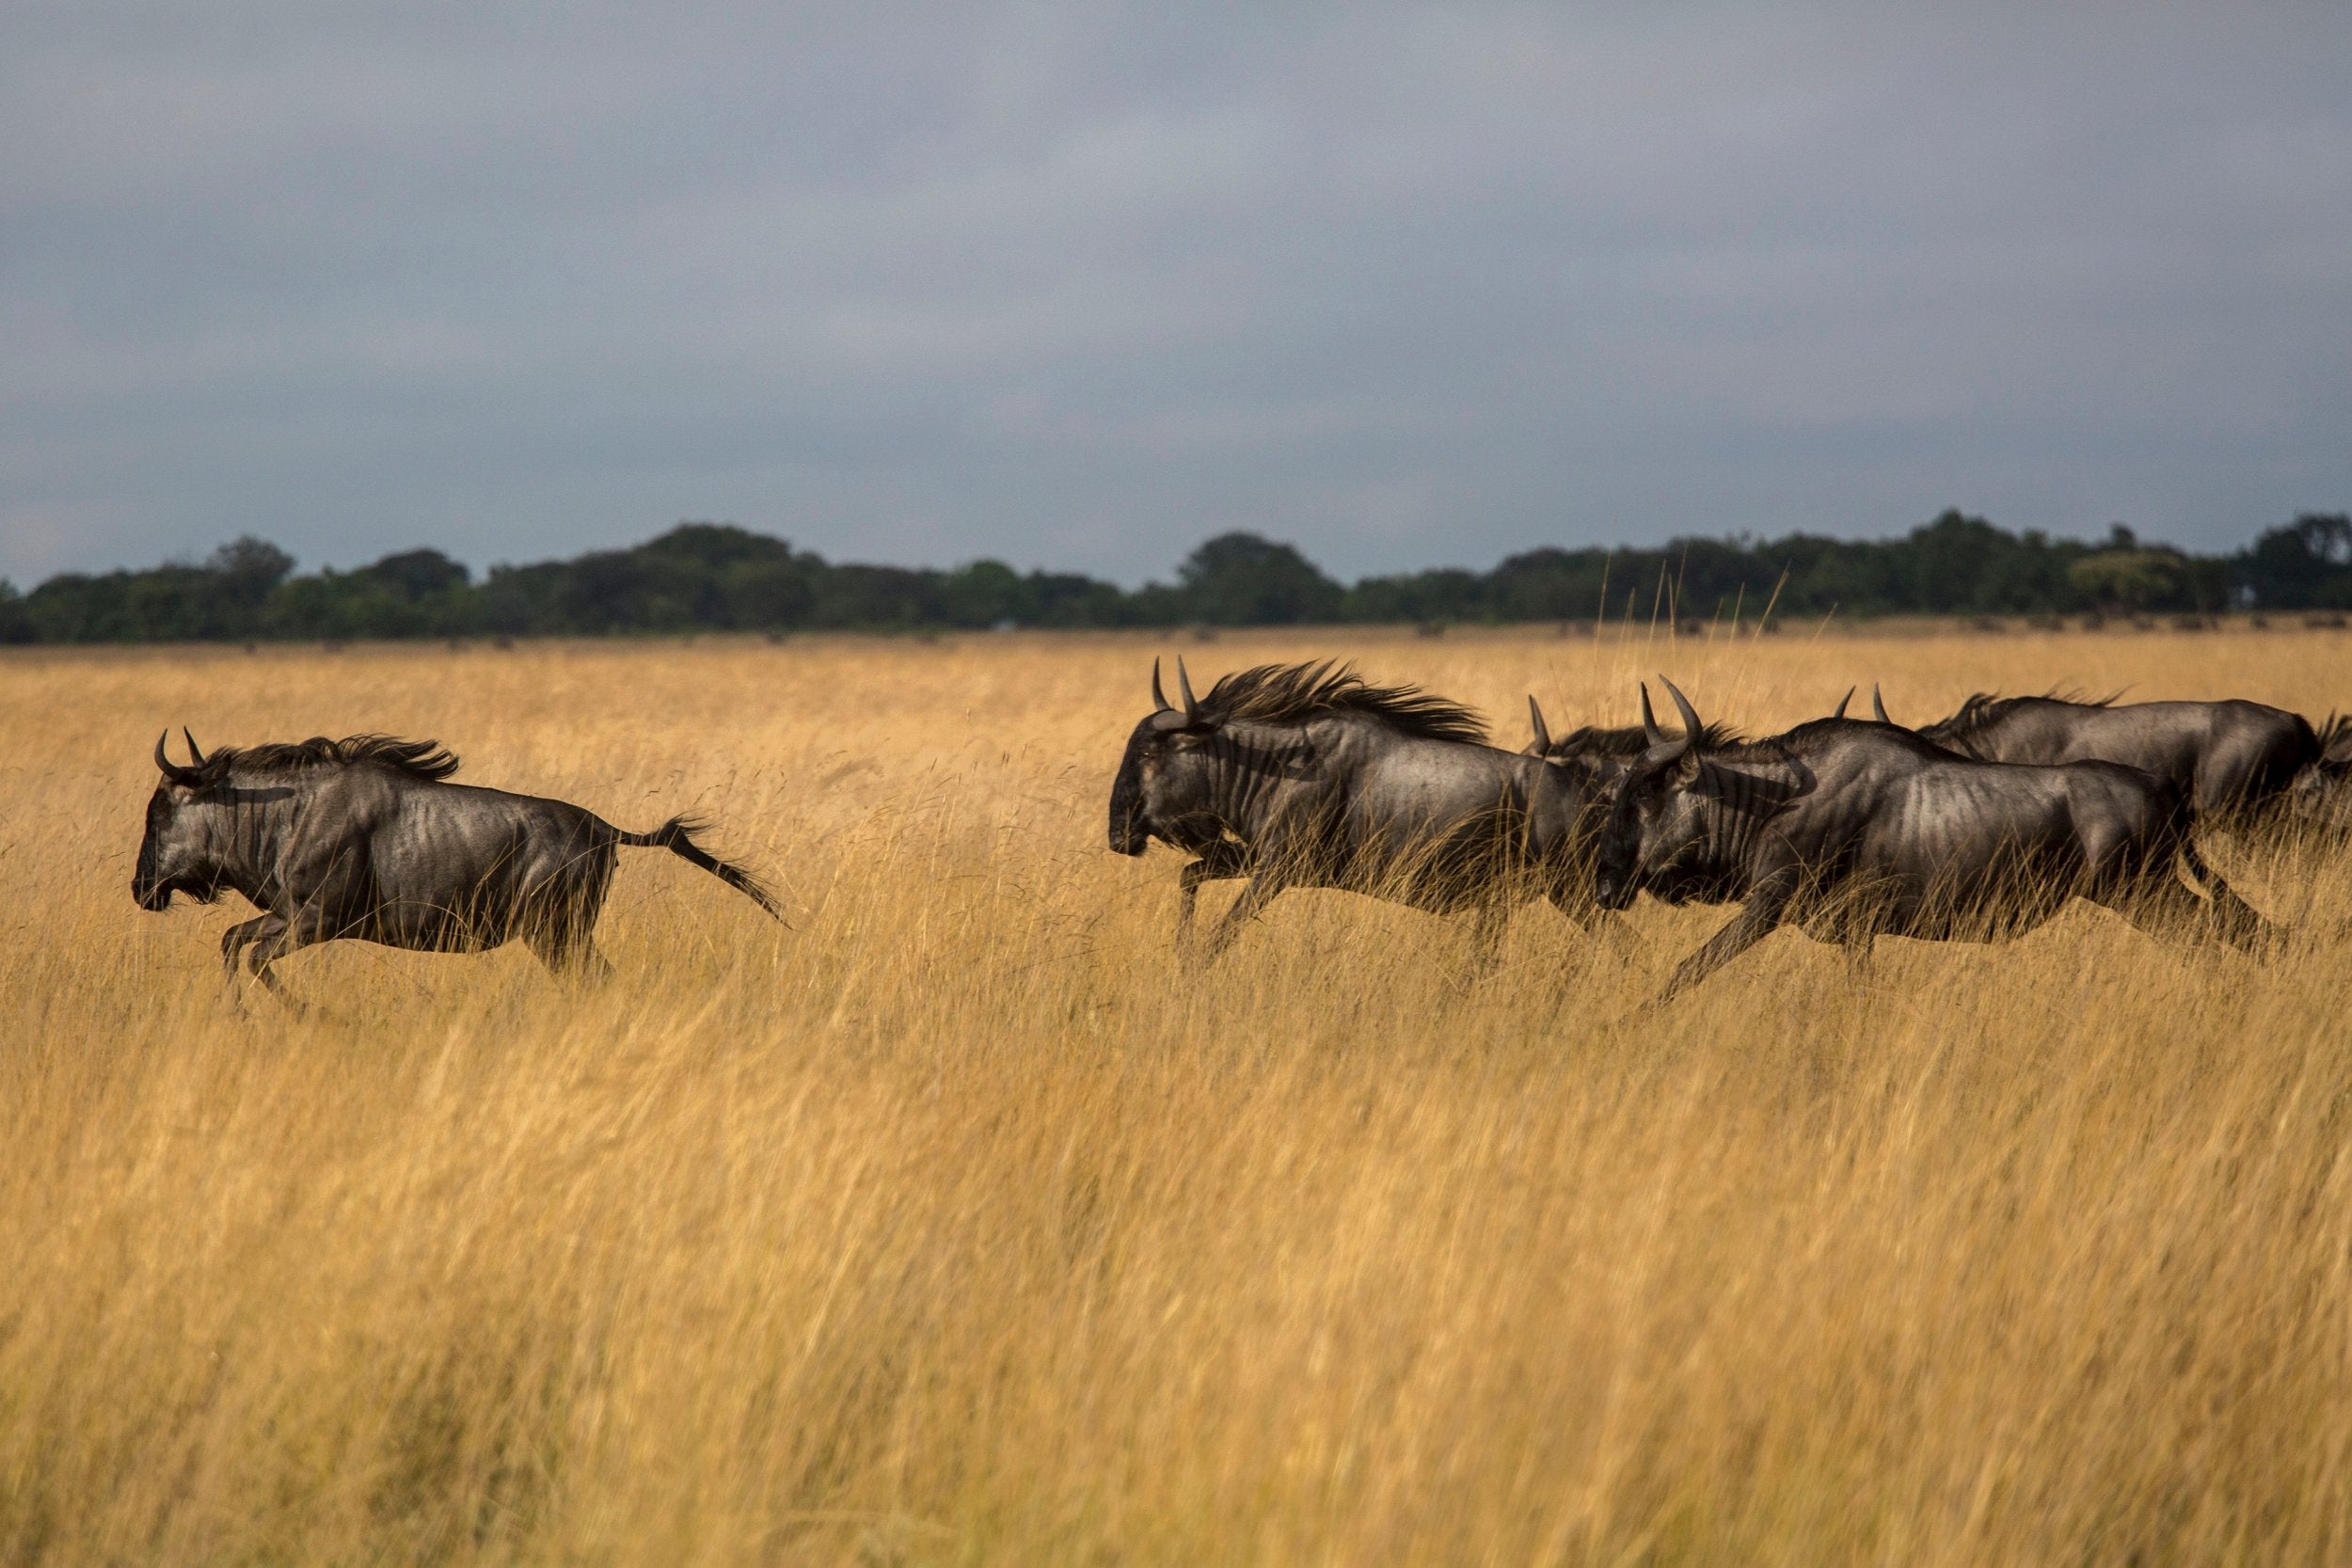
[[570, 954], [1751, 925], [1487, 924], [1852, 924], [235, 940], [1254, 898], [2163, 907], [306, 927], [1218, 863], [1580, 908], [233, 943], [2238, 921]]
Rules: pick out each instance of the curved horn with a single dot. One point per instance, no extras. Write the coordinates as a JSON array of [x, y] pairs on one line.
[[1649, 719], [1877, 708], [1840, 711], [171, 770], [196, 752], [1159, 698], [1543, 731], [1184, 685], [1691, 725]]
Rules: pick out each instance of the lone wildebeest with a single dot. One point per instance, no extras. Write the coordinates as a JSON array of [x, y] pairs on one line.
[[364, 838], [1852, 830], [1304, 775], [2227, 758]]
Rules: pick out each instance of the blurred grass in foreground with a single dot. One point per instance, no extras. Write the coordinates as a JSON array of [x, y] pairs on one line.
[[960, 1224]]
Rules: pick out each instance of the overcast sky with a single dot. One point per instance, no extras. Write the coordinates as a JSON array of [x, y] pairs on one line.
[[1078, 287]]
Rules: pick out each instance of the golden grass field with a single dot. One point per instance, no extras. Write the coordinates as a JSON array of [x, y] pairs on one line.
[[960, 1224]]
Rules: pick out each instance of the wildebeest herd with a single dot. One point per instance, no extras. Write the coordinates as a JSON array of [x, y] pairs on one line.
[[1979, 827]]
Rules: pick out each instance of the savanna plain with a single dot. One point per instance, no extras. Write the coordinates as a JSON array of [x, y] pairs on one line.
[[962, 1221]]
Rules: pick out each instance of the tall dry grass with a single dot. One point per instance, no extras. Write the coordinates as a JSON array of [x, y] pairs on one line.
[[959, 1223]]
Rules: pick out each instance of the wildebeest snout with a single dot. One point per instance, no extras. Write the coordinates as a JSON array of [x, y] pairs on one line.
[[1129, 836]]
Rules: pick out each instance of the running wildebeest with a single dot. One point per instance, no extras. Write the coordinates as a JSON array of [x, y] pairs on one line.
[[1304, 775], [2226, 758], [365, 838], [1853, 830]]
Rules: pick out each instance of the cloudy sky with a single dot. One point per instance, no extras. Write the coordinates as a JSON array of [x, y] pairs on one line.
[[1077, 286]]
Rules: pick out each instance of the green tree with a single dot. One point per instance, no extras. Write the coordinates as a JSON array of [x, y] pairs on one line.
[[2129, 580], [1240, 580]]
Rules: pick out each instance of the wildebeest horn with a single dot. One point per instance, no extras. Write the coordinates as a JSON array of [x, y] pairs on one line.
[[171, 770], [1878, 707], [1839, 712], [1159, 698], [196, 752], [1649, 719], [1535, 717], [1691, 725], [1184, 685]]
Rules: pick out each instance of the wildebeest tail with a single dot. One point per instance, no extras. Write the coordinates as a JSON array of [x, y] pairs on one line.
[[676, 836]]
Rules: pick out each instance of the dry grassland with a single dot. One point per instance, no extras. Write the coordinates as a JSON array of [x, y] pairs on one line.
[[959, 1223]]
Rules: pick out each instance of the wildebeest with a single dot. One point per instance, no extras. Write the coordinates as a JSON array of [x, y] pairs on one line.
[[1851, 830], [1304, 775], [364, 837], [2226, 758]]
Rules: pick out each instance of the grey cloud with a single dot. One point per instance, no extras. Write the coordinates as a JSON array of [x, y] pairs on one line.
[[1076, 287]]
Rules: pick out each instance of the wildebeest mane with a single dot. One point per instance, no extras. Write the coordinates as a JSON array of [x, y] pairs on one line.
[[1292, 693], [418, 759], [1984, 709], [1593, 741]]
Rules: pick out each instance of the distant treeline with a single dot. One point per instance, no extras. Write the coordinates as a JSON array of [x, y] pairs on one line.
[[710, 576]]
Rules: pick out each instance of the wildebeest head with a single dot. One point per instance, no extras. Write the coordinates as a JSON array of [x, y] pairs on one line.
[[185, 818], [1163, 783], [1651, 816]]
